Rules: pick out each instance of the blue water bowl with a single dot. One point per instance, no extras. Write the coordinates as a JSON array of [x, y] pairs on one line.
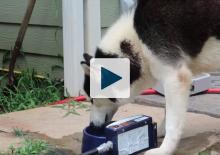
[[92, 138]]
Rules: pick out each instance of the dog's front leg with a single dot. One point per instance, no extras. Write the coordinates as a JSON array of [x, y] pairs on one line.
[[177, 85]]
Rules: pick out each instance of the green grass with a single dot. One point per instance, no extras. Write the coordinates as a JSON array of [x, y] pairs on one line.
[[30, 147], [29, 92], [206, 152], [19, 132], [72, 107]]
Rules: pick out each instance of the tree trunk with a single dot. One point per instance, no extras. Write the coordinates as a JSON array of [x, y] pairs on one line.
[[19, 41]]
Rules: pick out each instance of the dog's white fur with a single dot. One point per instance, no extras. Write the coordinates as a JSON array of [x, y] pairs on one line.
[[176, 80], [123, 30]]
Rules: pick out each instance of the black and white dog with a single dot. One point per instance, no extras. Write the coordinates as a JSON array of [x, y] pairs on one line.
[[166, 41]]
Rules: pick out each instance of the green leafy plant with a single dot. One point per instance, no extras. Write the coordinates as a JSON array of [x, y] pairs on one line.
[[19, 132], [30, 147], [29, 91], [72, 107], [206, 152]]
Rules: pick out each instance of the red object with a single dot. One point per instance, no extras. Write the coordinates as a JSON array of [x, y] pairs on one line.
[[83, 98], [213, 91], [154, 92], [149, 92], [145, 92], [79, 99]]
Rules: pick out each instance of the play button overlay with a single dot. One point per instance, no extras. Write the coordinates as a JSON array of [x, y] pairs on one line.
[[110, 78]]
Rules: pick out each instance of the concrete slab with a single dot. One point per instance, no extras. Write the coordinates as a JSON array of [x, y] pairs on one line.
[[46, 120], [204, 104], [48, 123]]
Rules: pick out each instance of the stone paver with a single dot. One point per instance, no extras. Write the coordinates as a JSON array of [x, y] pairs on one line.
[[204, 104], [46, 120], [48, 123]]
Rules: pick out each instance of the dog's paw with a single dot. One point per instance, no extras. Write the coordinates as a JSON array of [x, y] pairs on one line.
[[158, 151]]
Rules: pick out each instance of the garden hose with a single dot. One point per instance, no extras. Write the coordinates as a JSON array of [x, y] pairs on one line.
[[105, 147]]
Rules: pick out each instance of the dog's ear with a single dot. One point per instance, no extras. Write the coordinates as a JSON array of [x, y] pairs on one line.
[[85, 67], [86, 64], [87, 57]]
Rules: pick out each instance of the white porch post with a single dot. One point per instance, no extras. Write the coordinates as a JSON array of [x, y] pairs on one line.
[[73, 45], [81, 30], [92, 20]]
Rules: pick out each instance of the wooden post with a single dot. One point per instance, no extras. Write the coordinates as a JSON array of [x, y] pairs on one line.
[[81, 30], [73, 45], [92, 20]]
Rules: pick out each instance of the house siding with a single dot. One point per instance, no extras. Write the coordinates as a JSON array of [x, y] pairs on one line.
[[42, 46]]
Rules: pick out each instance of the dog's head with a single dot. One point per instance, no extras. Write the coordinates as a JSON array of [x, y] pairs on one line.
[[102, 110]]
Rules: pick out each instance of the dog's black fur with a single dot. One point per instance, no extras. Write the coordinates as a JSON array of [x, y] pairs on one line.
[[135, 66], [174, 24]]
